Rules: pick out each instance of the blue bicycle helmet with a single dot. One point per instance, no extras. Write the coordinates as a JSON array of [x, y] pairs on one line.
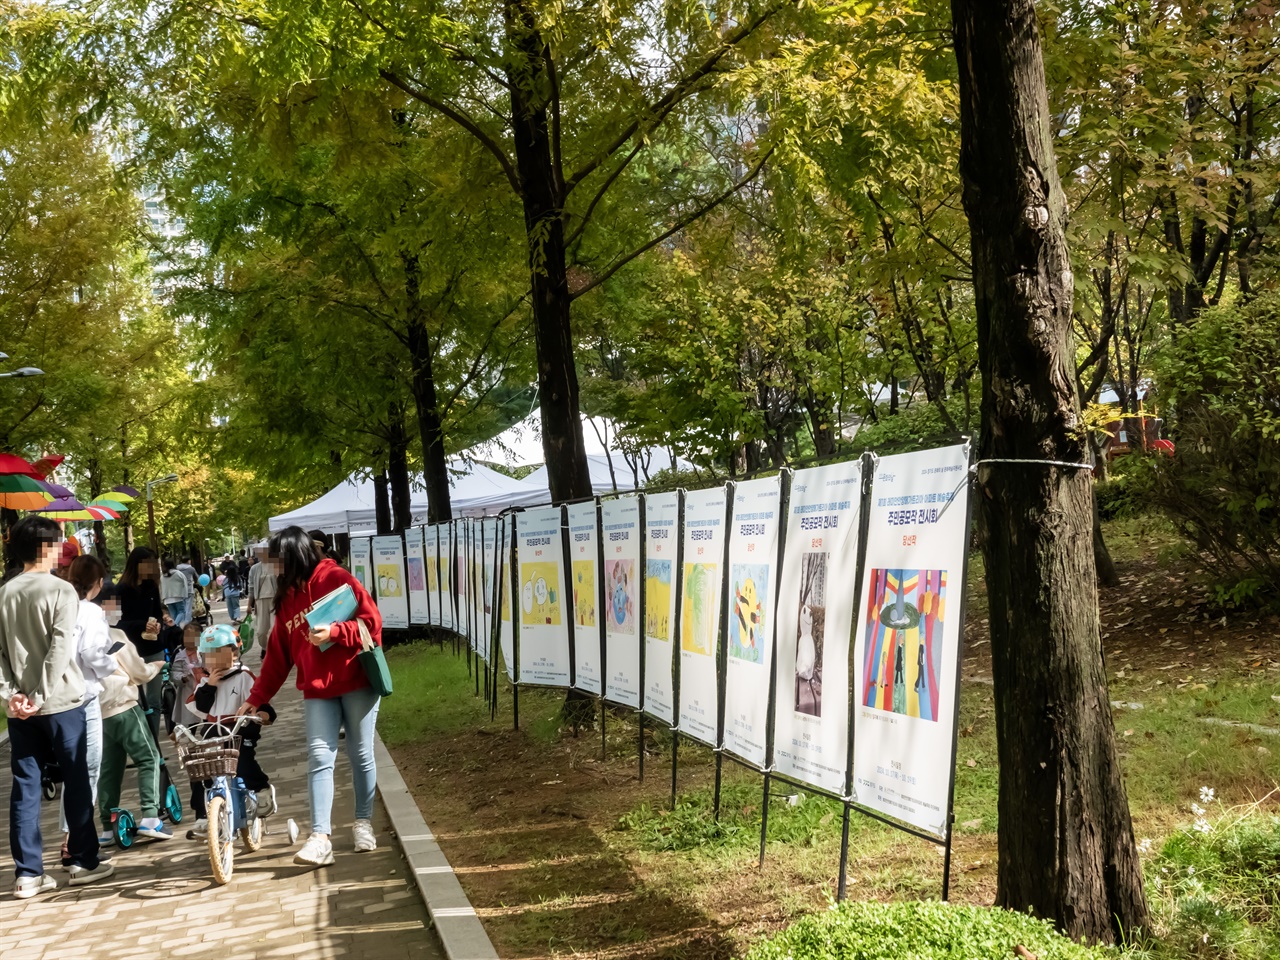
[[217, 636]]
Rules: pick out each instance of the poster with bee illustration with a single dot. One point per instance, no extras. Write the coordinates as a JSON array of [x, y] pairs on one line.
[[815, 616], [700, 624], [544, 622], [620, 535], [584, 546], [753, 559]]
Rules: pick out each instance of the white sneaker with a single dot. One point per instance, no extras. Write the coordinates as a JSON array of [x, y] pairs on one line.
[[267, 801], [154, 828], [316, 852], [82, 875], [26, 887], [106, 837], [199, 830], [365, 840]]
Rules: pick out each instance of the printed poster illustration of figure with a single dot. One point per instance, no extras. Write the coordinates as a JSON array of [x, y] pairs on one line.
[[657, 599], [811, 633], [902, 653], [417, 581], [748, 604], [388, 580], [539, 595], [433, 574], [584, 593], [698, 618], [619, 595]]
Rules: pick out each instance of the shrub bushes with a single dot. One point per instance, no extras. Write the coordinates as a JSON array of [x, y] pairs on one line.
[[920, 931]]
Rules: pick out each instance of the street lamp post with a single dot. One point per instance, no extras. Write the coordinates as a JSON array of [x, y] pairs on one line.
[[151, 510], [23, 372]]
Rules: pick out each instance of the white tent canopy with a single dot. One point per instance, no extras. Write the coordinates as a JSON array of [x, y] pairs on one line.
[[474, 490]]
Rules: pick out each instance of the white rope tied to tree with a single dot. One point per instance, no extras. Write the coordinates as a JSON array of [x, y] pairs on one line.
[[1071, 464]]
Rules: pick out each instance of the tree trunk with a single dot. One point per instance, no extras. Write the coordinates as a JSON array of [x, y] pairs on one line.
[[398, 467], [435, 469], [542, 193], [124, 478], [382, 503], [94, 469], [1066, 847]]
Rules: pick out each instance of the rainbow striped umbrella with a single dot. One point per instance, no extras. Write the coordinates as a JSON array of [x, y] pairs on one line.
[[107, 503], [86, 513], [21, 492]]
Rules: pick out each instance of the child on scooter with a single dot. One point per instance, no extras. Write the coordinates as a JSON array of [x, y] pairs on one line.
[[221, 692]]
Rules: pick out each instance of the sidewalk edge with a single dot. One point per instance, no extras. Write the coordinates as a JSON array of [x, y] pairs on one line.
[[457, 925]]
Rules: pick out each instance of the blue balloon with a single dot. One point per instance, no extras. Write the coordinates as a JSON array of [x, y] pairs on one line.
[[204, 580]]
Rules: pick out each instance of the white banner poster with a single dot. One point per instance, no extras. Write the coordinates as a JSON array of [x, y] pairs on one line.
[[584, 547], [815, 617], [700, 589], [458, 574], [753, 575], [361, 562], [431, 551], [620, 531], [489, 539], [908, 636], [476, 547], [445, 531], [388, 568], [506, 638], [661, 532], [544, 627], [416, 575]]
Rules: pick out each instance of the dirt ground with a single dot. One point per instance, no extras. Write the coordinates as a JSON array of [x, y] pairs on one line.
[[534, 832]]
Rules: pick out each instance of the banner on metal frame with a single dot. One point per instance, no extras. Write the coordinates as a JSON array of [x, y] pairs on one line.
[[489, 556], [908, 635], [544, 620], [416, 576], [620, 533], [700, 596], [361, 562], [392, 591], [461, 589], [584, 547], [506, 635], [815, 619], [445, 531], [662, 533], [748, 631], [431, 552]]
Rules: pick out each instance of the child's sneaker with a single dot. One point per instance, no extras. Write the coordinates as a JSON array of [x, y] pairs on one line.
[[199, 830], [106, 837], [26, 887], [82, 875], [154, 828], [365, 840], [316, 852], [267, 801]]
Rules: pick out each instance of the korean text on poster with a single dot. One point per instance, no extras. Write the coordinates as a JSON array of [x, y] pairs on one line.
[[661, 531], [362, 562], [620, 536], [700, 626], [544, 619], [415, 572], [584, 595], [392, 591]]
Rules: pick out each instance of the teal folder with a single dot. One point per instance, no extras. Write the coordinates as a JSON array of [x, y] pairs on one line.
[[338, 606]]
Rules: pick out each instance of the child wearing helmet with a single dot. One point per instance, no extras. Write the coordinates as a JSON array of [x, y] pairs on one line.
[[221, 692]]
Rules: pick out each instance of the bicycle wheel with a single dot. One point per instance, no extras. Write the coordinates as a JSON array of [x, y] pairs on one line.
[[123, 827], [222, 851], [252, 835], [173, 803], [49, 789]]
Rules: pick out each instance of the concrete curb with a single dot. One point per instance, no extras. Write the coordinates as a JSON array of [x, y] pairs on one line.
[[460, 931]]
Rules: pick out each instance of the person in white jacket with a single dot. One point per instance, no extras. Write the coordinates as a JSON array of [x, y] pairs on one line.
[[93, 644]]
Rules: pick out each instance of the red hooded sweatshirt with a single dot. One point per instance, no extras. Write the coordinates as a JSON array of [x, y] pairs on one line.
[[321, 673]]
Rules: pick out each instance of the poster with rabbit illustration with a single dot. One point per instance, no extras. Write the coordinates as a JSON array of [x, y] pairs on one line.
[[544, 627], [753, 558], [584, 546], [815, 617], [620, 536], [700, 626]]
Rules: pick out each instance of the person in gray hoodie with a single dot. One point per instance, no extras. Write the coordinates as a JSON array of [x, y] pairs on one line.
[[43, 690]]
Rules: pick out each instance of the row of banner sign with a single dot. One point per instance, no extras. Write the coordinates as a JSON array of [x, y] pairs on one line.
[[751, 617]]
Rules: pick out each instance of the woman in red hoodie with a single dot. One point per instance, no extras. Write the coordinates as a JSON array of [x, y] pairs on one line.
[[334, 686]]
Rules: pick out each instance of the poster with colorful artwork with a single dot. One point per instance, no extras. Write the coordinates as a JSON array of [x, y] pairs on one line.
[[620, 535], [445, 531], [584, 547], [698, 709], [392, 591], [908, 636], [431, 553], [415, 569], [489, 557], [544, 627], [362, 562], [506, 636], [815, 618], [753, 564], [662, 541]]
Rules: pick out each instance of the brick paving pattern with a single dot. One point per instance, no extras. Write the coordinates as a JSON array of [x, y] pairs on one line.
[[162, 901]]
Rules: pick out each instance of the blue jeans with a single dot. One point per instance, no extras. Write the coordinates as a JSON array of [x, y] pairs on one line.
[[37, 740], [233, 606], [357, 712], [93, 755], [178, 610]]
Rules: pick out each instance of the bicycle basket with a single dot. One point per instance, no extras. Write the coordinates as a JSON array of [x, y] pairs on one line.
[[212, 758]]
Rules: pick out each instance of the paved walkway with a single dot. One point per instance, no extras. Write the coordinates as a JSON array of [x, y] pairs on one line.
[[162, 901]]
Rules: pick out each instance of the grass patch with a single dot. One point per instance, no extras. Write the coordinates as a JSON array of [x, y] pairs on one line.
[[919, 931]]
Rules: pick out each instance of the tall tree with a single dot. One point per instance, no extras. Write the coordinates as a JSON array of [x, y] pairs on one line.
[[1066, 847]]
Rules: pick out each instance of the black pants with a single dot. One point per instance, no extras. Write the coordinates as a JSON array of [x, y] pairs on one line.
[[247, 769]]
